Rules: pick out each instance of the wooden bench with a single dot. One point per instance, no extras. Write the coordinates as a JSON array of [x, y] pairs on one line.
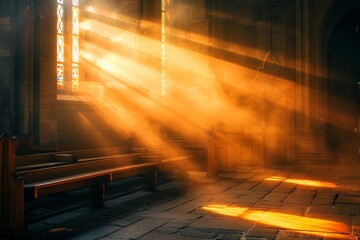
[[90, 173], [27, 184], [39, 160]]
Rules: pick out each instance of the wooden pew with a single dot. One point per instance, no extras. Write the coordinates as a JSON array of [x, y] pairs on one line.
[[19, 187], [36, 175], [45, 181], [39, 160]]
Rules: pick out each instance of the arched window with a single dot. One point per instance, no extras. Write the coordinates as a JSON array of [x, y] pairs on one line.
[[68, 34]]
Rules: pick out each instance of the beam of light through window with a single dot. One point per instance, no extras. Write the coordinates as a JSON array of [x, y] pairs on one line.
[[304, 182], [310, 225]]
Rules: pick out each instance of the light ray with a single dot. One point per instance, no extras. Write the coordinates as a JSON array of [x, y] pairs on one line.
[[203, 91], [312, 226], [305, 182]]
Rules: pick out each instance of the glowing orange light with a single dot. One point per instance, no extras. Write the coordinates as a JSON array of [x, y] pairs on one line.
[[226, 210], [304, 182], [91, 9], [194, 91], [315, 226]]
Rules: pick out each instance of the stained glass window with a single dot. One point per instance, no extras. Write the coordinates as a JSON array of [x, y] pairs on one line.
[[60, 44], [75, 44], [63, 70]]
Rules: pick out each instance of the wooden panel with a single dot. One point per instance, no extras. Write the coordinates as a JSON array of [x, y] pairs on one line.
[[12, 195]]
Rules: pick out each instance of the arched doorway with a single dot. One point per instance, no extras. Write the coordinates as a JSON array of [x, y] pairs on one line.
[[344, 72]]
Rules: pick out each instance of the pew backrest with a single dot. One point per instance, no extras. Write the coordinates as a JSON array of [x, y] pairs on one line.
[[82, 166]]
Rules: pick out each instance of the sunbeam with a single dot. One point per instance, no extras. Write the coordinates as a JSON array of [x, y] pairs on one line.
[[305, 182], [310, 225]]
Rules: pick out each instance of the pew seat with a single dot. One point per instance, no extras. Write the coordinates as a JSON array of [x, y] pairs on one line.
[[95, 179]]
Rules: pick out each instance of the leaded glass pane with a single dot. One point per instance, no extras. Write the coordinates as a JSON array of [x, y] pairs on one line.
[[75, 20], [60, 19], [60, 48], [75, 50], [75, 76], [75, 3], [60, 75]]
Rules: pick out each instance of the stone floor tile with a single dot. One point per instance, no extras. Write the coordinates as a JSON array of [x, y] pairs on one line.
[[187, 207], [139, 228], [348, 209], [164, 236], [171, 204], [245, 186], [179, 223], [58, 219], [229, 236], [207, 233], [126, 221], [223, 223], [265, 186], [296, 235], [95, 233], [348, 199], [323, 209], [167, 230], [276, 196], [218, 199], [263, 232], [284, 188], [167, 215], [300, 197]]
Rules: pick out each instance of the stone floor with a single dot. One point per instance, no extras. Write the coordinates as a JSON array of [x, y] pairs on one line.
[[283, 203]]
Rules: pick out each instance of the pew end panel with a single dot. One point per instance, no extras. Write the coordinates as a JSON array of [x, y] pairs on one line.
[[12, 205]]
